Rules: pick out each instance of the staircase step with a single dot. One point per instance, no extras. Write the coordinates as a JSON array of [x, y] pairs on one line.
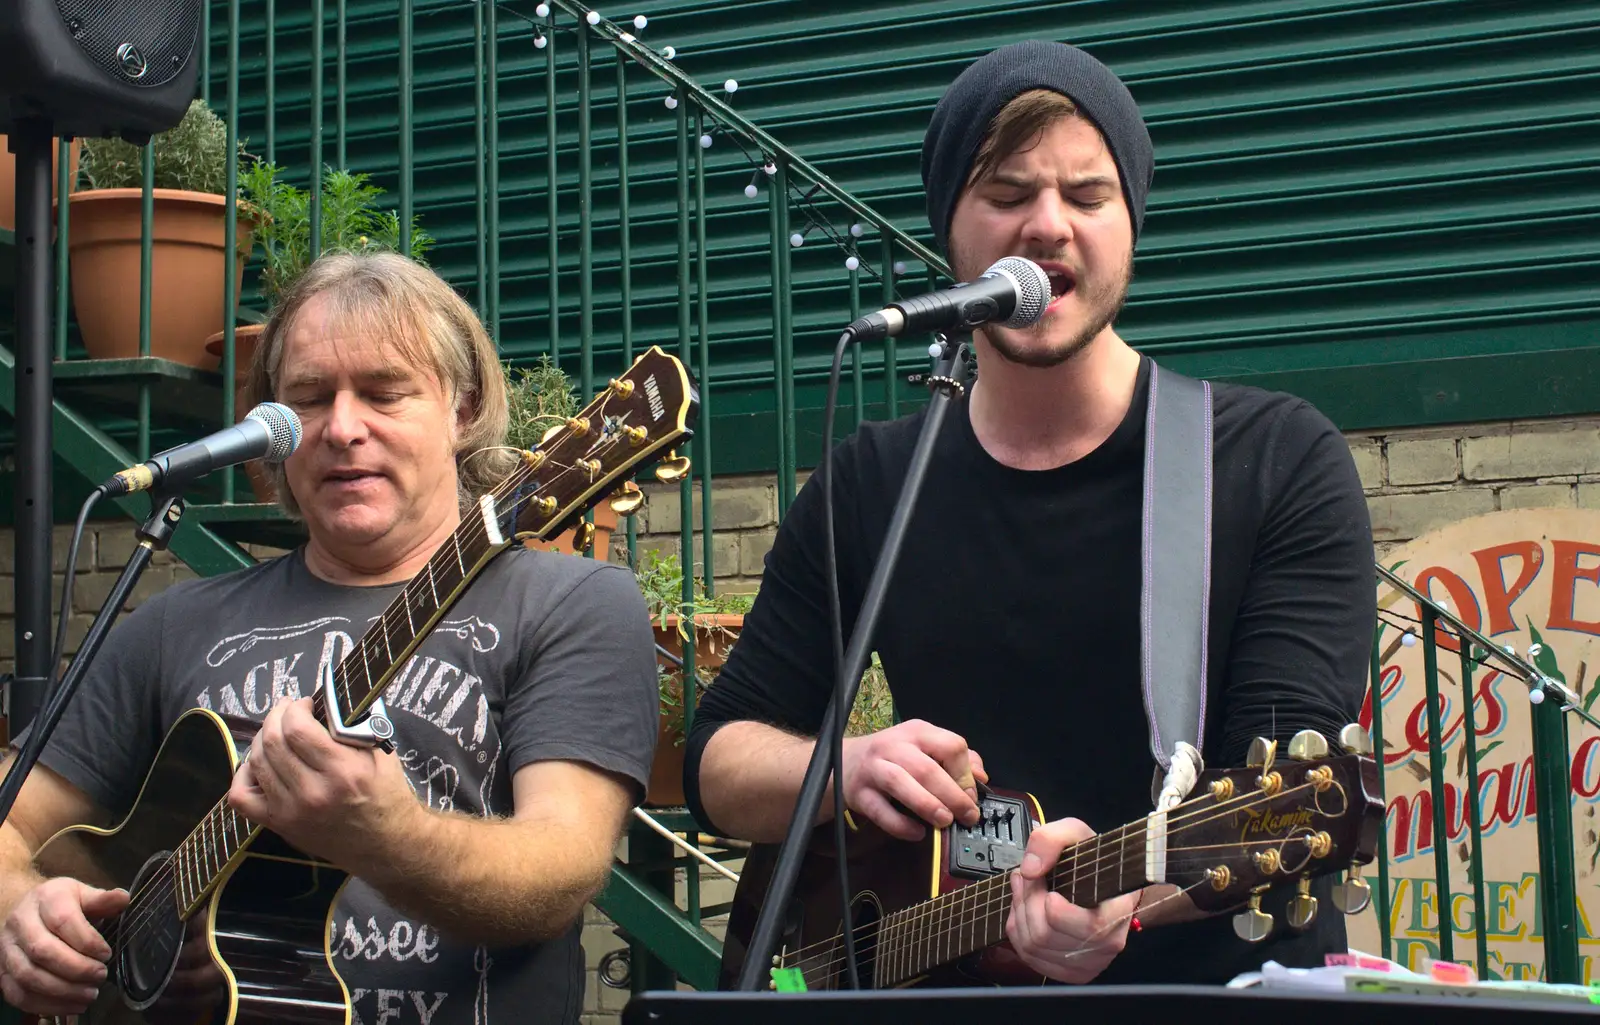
[[179, 394]]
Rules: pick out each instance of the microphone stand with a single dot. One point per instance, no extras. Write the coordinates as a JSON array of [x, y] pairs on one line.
[[153, 535], [947, 381]]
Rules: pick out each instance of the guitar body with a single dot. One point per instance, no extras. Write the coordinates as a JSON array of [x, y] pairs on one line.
[[886, 875], [267, 923]]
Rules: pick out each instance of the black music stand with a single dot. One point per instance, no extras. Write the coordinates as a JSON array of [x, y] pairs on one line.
[[1089, 1005]]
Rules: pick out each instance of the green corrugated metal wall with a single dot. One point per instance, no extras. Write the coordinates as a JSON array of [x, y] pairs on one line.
[[1345, 195]]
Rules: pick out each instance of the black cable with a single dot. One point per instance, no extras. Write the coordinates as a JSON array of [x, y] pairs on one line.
[[66, 590], [836, 623]]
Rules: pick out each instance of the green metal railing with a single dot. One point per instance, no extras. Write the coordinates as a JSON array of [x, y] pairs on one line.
[[668, 939], [1551, 702]]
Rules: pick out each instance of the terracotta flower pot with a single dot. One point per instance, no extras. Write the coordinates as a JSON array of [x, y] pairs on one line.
[[8, 177], [186, 272], [244, 348], [713, 636], [605, 524]]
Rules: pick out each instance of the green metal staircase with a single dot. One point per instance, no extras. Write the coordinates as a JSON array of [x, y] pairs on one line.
[[612, 226]]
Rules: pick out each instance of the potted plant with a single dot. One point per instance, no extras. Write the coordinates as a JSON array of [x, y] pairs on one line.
[[187, 241], [8, 176], [541, 397], [352, 221], [713, 623]]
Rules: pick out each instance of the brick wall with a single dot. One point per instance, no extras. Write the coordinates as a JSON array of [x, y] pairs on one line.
[[1415, 481], [1419, 480]]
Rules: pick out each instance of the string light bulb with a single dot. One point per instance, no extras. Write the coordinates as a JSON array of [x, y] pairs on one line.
[[640, 21], [669, 52], [1408, 639], [899, 266], [797, 240], [851, 263], [593, 17], [751, 191], [539, 41], [543, 10], [672, 103], [705, 141], [731, 85], [857, 229]]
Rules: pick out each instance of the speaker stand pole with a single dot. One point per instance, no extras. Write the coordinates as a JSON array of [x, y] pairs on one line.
[[31, 140]]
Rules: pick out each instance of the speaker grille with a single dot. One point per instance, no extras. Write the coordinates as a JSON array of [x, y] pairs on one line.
[[142, 43]]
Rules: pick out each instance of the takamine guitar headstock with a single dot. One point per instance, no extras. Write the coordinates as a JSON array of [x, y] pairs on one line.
[[636, 420], [1245, 831]]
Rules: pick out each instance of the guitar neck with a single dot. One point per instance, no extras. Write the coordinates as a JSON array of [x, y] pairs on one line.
[[359, 679], [915, 940], [362, 675]]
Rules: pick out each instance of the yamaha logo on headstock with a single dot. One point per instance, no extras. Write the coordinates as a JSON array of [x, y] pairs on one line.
[[652, 392]]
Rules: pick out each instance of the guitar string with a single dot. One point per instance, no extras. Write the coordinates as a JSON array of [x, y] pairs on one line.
[[1101, 858], [1081, 951], [163, 885], [1119, 853], [971, 917], [152, 894], [940, 906]]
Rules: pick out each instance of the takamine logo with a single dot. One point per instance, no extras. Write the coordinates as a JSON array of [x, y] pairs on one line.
[[1274, 823], [653, 391]]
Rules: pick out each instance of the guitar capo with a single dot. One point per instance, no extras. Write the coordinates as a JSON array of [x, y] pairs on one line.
[[375, 729]]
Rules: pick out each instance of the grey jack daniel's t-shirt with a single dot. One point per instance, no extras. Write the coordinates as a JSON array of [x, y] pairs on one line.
[[544, 656]]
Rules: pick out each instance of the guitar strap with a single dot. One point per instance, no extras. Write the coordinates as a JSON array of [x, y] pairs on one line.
[[1174, 608]]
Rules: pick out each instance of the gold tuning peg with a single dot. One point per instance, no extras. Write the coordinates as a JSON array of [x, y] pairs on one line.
[[627, 501], [1252, 924], [583, 537], [1262, 753], [622, 389], [1351, 894], [1302, 909], [1355, 740], [1308, 746], [672, 468]]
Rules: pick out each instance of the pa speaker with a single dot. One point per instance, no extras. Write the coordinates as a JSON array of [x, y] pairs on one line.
[[98, 68]]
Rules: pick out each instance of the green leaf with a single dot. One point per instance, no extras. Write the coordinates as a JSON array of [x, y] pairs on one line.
[[1545, 661]]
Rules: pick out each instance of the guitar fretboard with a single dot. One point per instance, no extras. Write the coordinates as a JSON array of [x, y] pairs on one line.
[[358, 680], [913, 941]]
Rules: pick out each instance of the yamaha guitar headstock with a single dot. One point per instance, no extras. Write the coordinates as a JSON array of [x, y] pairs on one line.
[[638, 419], [1278, 822]]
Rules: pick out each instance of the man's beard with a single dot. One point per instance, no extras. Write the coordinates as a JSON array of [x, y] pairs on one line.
[[1103, 304]]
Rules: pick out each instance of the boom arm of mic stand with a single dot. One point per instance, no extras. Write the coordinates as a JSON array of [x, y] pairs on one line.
[[947, 381], [153, 534]]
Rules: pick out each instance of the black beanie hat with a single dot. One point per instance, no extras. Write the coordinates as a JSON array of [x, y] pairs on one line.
[[963, 115]]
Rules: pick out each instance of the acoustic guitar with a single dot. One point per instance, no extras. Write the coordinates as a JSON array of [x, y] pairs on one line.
[[188, 860], [934, 912]]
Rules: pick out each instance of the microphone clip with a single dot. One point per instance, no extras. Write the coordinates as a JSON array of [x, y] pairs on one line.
[[952, 364]]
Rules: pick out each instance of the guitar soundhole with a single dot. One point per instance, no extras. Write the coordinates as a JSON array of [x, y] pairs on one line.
[[150, 935], [867, 915]]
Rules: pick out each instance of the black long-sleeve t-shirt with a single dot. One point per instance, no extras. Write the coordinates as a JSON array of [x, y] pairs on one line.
[[1012, 618]]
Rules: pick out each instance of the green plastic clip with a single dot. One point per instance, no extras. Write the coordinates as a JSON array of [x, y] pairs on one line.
[[788, 980]]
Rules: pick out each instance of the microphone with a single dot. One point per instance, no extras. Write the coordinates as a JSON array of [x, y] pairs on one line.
[[1015, 292], [271, 431]]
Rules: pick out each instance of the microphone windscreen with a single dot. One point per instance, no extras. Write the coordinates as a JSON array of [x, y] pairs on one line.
[[283, 429]]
